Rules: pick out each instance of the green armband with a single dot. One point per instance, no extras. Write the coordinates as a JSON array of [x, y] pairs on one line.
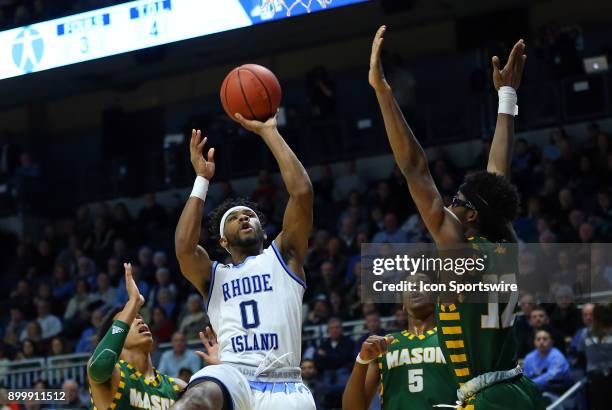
[[107, 352]]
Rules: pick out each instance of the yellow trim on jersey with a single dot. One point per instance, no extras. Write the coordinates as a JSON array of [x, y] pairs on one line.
[[449, 316], [458, 358], [462, 372], [452, 330], [454, 344]]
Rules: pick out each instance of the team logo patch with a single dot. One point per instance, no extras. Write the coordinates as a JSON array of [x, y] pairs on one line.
[[117, 329]]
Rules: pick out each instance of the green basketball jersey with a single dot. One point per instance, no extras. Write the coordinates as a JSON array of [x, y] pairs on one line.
[[135, 392], [414, 373], [477, 338]]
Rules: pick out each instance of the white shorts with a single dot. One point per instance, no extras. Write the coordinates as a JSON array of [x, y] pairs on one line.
[[257, 395]]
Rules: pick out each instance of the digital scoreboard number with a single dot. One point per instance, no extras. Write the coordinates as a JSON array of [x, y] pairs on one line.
[[152, 20]]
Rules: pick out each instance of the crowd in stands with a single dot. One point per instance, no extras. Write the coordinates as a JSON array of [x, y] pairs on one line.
[[61, 282]]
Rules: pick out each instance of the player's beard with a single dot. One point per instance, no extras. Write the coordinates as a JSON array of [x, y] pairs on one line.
[[250, 241]]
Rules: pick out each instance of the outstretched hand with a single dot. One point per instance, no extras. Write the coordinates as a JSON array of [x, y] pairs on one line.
[[203, 167], [131, 287], [211, 346], [374, 346], [512, 72], [376, 75], [258, 127]]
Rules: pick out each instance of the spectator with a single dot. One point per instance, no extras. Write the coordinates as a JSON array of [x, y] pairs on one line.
[[319, 313], [313, 382], [86, 341], [179, 357], [62, 286], [28, 350], [22, 298], [145, 262], [578, 339], [597, 348], [195, 319], [57, 347], [50, 324], [335, 358], [73, 400], [373, 327], [80, 302], [547, 366], [33, 332], [164, 301], [15, 327], [162, 281], [391, 232], [348, 182], [400, 321], [329, 279], [185, 374], [160, 260], [565, 317], [105, 292], [538, 320], [162, 327], [152, 217]]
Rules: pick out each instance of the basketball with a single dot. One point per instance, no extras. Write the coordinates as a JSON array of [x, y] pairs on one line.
[[252, 91]]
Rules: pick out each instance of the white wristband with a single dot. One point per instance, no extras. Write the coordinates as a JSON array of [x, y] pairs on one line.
[[200, 188], [361, 361], [507, 101]]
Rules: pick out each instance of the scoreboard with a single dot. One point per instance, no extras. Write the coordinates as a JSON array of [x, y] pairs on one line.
[[129, 27]]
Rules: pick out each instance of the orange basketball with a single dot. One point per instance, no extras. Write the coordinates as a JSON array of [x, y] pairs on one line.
[[252, 91]]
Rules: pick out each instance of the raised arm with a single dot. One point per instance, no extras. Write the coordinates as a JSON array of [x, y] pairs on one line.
[[297, 221], [506, 83], [102, 374], [365, 377], [410, 157], [193, 259]]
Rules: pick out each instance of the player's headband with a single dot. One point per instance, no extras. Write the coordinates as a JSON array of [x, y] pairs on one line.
[[228, 213]]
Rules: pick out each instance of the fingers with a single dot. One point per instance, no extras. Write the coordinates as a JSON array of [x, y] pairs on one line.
[[377, 45], [203, 339], [211, 155], [517, 50], [128, 269], [495, 62], [203, 356], [212, 336], [200, 145]]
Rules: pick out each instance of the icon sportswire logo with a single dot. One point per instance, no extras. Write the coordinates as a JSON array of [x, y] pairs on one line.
[[28, 49], [116, 329]]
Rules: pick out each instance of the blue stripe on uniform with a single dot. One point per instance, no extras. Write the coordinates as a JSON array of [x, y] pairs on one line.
[[212, 283], [280, 258]]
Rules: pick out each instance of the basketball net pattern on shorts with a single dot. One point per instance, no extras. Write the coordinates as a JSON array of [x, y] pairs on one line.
[[269, 7]]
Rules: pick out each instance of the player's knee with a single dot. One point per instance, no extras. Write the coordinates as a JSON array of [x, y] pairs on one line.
[[203, 396]]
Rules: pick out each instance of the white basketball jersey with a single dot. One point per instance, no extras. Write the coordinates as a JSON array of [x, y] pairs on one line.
[[256, 309]]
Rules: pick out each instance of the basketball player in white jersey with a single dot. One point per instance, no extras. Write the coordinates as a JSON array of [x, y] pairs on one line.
[[255, 302]]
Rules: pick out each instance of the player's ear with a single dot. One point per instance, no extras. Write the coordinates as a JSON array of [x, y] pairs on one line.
[[223, 242], [472, 215]]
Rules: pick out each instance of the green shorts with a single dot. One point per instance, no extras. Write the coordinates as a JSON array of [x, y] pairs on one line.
[[520, 393]]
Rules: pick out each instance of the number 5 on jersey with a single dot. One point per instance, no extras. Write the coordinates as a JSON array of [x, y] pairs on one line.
[[415, 380]]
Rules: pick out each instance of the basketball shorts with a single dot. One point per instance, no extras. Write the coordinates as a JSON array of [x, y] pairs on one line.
[[257, 395]]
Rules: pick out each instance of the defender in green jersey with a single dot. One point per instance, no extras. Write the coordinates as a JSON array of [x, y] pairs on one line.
[[485, 205], [409, 366], [120, 371]]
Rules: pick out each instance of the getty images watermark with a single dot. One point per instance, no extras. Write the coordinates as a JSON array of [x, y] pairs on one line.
[[486, 272]]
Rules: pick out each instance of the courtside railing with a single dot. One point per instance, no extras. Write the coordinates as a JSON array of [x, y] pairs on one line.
[[55, 369]]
